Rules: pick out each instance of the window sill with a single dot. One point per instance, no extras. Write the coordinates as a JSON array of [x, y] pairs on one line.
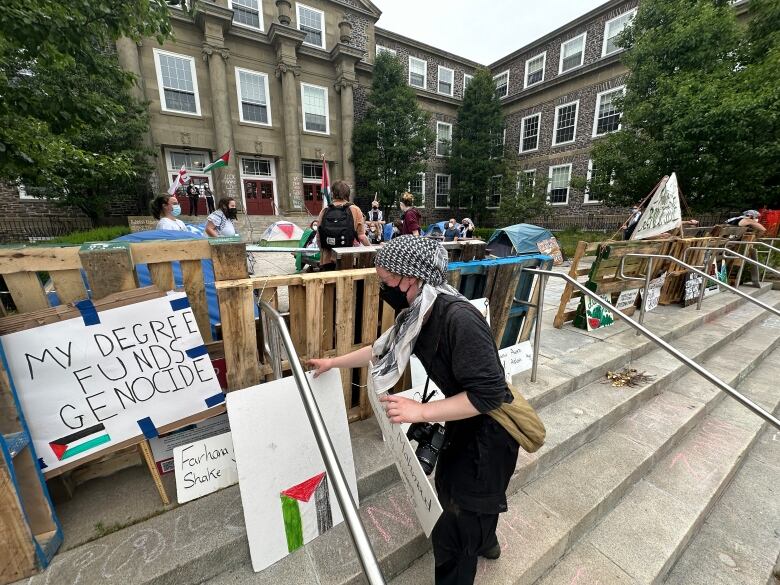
[[533, 84], [572, 69], [315, 133], [321, 48], [559, 204], [567, 143], [592, 202], [255, 124], [529, 151], [181, 114]]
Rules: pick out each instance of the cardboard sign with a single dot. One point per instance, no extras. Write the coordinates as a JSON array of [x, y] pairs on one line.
[[596, 314], [424, 501], [627, 299], [550, 247], [89, 383], [691, 288], [285, 490], [204, 467], [163, 446], [654, 293], [662, 213], [516, 358]]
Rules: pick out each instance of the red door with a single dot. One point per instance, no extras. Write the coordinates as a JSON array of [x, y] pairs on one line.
[[259, 197], [184, 201], [312, 198]]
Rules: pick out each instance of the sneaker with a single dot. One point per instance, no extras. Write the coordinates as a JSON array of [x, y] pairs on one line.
[[492, 553]]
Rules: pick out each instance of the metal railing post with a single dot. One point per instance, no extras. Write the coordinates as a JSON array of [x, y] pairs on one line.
[[707, 260], [707, 375], [335, 473], [643, 307], [538, 325]]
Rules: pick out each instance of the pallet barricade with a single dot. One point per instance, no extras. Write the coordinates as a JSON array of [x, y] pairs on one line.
[[363, 257]]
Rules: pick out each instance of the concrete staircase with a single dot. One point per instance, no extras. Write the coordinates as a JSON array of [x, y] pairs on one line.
[[634, 485]]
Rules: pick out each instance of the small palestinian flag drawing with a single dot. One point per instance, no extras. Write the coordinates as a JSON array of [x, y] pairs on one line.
[[79, 442], [305, 520]]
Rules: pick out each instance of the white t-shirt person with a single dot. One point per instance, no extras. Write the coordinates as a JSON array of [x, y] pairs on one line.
[[167, 223]]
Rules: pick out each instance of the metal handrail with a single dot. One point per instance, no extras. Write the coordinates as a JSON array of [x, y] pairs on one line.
[[335, 473], [544, 274], [734, 255]]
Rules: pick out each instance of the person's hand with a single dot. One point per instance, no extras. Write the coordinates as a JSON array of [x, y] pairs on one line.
[[320, 366], [400, 409]]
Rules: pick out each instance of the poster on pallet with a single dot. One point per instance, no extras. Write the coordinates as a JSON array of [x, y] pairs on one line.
[[286, 492], [662, 213], [107, 379], [597, 316], [654, 293]]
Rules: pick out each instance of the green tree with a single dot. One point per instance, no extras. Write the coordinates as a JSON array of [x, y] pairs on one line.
[[523, 198], [390, 143], [702, 101], [477, 153], [69, 129]]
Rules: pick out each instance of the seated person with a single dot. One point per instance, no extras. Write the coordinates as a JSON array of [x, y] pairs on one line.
[[748, 219], [451, 231]]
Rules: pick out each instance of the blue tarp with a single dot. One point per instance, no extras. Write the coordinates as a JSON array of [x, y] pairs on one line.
[[517, 239]]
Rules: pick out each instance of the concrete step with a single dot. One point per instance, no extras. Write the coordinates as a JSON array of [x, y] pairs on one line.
[[644, 535], [548, 515], [740, 539]]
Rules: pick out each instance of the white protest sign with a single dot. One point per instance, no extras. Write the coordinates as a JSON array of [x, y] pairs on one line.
[[516, 358], [626, 299], [286, 493], [204, 467], [89, 383], [662, 213], [162, 447], [654, 293], [426, 504]]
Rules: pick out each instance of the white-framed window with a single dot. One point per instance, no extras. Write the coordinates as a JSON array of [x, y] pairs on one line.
[[502, 84], [256, 167], [418, 72], [497, 143], [311, 170], [314, 102], [417, 188], [526, 181], [443, 138], [194, 161], [558, 187], [612, 29], [248, 13], [177, 82], [446, 81], [380, 49], [442, 197], [597, 184], [607, 116], [530, 127], [534, 70], [312, 22], [572, 53], [565, 130], [466, 80], [254, 105], [494, 197]]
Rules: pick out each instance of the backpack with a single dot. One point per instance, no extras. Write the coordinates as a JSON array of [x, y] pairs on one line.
[[337, 229]]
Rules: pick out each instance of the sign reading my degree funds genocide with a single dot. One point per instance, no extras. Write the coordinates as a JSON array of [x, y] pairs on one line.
[[89, 383]]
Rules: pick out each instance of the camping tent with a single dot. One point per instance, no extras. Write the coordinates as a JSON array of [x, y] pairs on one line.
[[513, 240], [282, 234], [435, 229]]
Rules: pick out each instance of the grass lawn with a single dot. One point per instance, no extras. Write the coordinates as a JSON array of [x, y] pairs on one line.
[[568, 239]]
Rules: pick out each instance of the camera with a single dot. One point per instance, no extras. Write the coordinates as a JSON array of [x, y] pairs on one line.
[[430, 440]]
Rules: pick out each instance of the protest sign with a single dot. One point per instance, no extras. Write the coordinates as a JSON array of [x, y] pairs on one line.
[[627, 299], [204, 467], [285, 488], [662, 213], [550, 247], [596, 314], [654, 293], [105, 379], [163, 446], [424, 501], [516, 358]]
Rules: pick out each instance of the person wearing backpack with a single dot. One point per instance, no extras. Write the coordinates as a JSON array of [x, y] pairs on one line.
[[341, 224]]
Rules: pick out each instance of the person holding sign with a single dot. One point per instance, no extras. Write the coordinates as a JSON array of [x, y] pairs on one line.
[[455, 345]]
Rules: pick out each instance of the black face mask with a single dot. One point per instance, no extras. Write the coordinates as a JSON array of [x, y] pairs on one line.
[[232, 213], [393, 296]]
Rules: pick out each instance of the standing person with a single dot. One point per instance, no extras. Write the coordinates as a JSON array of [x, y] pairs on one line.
[[340, 224], [467, 229], [451, 231], [410, 217], [455, 345], [223, 221], [748, 219], [630, 225], [209, 197], [193, 195], [376, 222], [166, 209]]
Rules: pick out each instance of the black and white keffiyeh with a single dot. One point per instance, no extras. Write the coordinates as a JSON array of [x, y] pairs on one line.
[[419, 258]]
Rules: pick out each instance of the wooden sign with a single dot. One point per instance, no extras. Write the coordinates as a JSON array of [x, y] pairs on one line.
[[203, 467], [550, 247], [662, 213], [102, 380]]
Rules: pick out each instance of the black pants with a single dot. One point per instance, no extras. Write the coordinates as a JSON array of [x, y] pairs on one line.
[[210, 203], [193, 204], [458, 538]]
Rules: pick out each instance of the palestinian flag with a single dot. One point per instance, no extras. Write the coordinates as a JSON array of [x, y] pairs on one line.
[[79, 442], [305, 519], [325, 184], [220, 162], [179, 180]]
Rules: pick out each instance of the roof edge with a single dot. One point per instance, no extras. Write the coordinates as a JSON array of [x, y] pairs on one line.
[[378, 31]]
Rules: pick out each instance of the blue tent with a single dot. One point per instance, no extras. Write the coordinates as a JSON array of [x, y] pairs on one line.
[[517, 239], [431, 229]]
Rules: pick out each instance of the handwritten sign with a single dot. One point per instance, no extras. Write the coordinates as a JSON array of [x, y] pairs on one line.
[[627, 299], [662, 213], [204, 467], [424, 501], [654, 293], [92, 382], [596, 314], [163, 446], [691, 288], [550, 247], [516, 358]]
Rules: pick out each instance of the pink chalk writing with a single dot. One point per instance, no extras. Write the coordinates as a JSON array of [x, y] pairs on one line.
[[399, 516]]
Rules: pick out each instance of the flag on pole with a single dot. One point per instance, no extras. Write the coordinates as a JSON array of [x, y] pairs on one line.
[[220, 162], [180, 179], [325, 184]]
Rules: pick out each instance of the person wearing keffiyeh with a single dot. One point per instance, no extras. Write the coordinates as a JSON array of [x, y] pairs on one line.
[[455, 345]]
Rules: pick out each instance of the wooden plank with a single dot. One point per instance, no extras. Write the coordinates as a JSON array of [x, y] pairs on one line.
[[69, 285], [314, 294], [388, 316], [146, 453], [368, 334], [18, 554], [192, 275], [345, 330], [501, 297], [229, 261], [39, 259], [108, 271], [561, 314], [237, 317], [170, 251], [162, 275], [26, 291], [530, 317], [329, 314], [298, 324]]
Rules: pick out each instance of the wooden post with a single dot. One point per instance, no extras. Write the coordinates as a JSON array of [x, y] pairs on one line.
[[146, 453], [109, 268], [345, 330], [560, 316]]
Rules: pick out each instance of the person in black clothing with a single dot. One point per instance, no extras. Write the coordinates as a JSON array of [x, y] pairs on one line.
[[193, 195], [209, 198], [455, 345]]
